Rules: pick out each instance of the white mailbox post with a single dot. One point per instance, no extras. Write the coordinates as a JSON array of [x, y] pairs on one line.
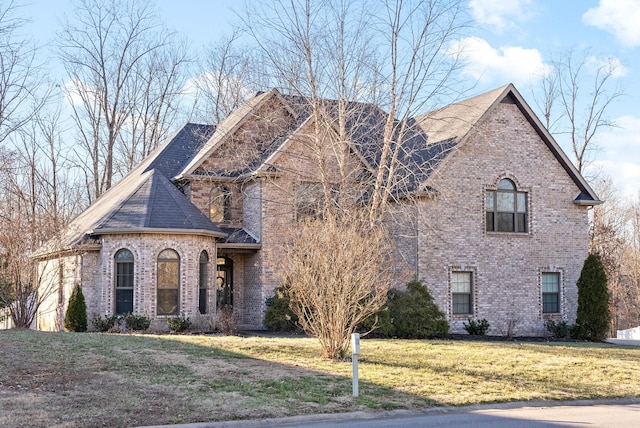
[[355, 350]]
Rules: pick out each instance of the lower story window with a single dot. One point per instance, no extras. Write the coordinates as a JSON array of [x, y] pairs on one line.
[[550, 292], [168, 283], [461, 301]]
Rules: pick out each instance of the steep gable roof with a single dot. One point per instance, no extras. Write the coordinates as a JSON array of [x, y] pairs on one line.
[[230, 124], [456, 121]]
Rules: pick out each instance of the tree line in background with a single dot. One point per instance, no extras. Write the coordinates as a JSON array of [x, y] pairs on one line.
[[129, 82]]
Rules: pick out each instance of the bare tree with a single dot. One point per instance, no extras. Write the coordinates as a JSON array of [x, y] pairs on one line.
[[20, 79], [153, 96], [363, 74], [333, 291], [116, 55], [23, 226], [576, 98], [229, 78]]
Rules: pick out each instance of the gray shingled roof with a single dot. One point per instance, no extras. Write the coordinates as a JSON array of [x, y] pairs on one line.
[[145, 199], [155, 204], [456, 120]]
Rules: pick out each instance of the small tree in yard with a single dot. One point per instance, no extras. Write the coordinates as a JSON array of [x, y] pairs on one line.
[[592, 320], [337, 276], [76, 317]]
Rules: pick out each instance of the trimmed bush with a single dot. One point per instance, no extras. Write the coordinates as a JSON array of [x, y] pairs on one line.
[[279, 316], [379, 324], [558, 330], [413, 314], [178, 324], [106, 323], [592, 318], [136, 322], [476, 327], [76, 317]]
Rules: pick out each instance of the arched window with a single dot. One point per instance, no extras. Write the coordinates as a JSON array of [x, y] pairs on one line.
[[168, 283], [506, 208], [202, 282], [124, 281], [220, 204]]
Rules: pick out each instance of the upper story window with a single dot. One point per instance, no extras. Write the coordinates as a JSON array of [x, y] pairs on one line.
[[310, 201], [220, 204], [506, 208]]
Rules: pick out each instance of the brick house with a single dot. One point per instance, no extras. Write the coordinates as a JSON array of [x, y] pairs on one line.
[[497, 227]]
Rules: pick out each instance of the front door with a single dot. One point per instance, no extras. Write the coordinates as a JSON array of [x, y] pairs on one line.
[[224, 283]]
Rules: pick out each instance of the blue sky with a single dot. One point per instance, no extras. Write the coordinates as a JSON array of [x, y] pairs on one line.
[[511, 41]]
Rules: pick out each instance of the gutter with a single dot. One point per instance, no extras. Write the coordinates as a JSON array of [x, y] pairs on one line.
[[156, 230]]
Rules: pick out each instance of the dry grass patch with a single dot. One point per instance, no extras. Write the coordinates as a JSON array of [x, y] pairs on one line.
[[66, 379]]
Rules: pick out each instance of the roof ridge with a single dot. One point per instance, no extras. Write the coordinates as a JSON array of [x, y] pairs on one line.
[[122, 202]]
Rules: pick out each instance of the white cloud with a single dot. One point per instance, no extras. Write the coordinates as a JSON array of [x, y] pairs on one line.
[[71, 90], [486, 64], [609, 64], [500, 14], [618, 17]]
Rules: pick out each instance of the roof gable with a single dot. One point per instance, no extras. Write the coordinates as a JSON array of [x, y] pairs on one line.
[[229, 126], [456, 121]]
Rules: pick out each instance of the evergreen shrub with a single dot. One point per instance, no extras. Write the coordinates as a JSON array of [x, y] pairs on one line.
[[76, 317], [279, 316], [592, 317], [136, 322]]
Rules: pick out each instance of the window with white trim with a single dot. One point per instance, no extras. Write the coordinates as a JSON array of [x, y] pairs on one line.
[[461, 293], [550, 282]]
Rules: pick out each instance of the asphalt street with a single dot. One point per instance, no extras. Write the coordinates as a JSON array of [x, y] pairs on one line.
[[623, 413]]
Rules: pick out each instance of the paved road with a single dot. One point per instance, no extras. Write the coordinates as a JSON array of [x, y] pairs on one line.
[[624, 413]]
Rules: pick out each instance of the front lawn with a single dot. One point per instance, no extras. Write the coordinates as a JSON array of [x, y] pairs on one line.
[[92, 379]]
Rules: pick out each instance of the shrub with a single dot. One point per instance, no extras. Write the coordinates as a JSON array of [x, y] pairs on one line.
[[178, 324], [379, 324], [558, 330], [227, 322], [106, 323], [76, 317], [279, 316], [592, 317], [477, 328], [136, 322], [414, 315]]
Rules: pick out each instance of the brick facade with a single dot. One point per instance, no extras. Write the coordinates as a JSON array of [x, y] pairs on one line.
[[506, 267], [440, 234]]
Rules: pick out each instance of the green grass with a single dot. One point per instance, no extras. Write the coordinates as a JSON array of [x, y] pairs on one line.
[[91, 379]]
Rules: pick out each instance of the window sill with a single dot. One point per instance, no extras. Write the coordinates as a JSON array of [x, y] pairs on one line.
[[508, 234], [462, 317]]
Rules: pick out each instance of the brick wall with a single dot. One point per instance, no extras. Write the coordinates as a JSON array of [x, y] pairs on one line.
[[99, 270], [506, 267]]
